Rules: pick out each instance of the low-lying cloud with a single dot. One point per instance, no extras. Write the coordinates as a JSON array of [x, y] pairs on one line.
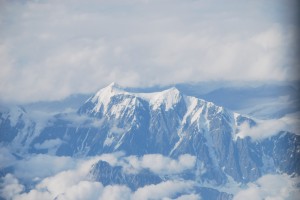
[[49, 144], [37, 167], [66, 178], [54, 177], [163, 165], [271, 187], [162, 190], [267, 128]]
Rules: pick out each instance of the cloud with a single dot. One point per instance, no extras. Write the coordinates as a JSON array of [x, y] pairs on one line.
[[49, 144], [271, 187], [66, 178], [81, 120], [268, 128], [6, 158], [162, 190], [48, 46], [34, 195], [189, 197], [72, 181], [37, 167], [58, 177], [133, 164], [95, 190], [112, 158], [184, 162], [269, 39], [10, 187], [116, 192]]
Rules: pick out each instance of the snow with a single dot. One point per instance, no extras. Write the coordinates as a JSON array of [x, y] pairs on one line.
[[234, 126], [108, 141], [197, 110], [191, 104], [168, 98], [103, 96], [13, 113]]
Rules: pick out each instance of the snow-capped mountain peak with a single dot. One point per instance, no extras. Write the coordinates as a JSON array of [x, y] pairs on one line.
[[168, 98], [108, 91], [103, 96]]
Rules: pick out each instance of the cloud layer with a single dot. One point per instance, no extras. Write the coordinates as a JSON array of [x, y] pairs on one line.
[[64, 178], [50, 49], [268, 128], [271, 187]]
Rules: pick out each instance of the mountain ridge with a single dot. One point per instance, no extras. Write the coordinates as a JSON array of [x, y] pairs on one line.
[[167, 123]]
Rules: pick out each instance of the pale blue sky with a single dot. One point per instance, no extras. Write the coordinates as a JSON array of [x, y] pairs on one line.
[[51, 49]]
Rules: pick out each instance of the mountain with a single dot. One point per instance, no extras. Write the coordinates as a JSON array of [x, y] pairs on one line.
[[261, 100], [107, 175], [167, 123]]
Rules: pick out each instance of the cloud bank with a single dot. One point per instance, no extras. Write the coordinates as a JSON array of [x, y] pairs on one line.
[[184, 162], [50, 49], [271, 187], [65, 178], [268, 128]]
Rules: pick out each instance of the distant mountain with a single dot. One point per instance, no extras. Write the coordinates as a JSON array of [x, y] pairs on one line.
[[262, 100], [69, 103]]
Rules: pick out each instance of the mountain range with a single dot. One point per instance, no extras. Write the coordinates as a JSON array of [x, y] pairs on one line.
[[197, 140]]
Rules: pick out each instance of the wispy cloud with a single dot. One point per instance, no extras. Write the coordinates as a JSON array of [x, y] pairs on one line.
[[134, 164], [267, 128], [51, 49]]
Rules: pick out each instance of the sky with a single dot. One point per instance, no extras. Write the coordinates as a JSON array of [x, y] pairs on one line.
[[51, 49]]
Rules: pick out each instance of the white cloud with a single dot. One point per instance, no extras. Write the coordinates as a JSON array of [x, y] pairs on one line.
[[116, 192], [162, 190], [82, 190], [184, 162], [112, 158], [133, 164], [34, 195], [186, 197], [6, 158], [271, 187], [67, 182], [269, 39], [10, 187], [49, 144], [48, 46], [68, 178], [40, 166], [59, 177], [267, 128]]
